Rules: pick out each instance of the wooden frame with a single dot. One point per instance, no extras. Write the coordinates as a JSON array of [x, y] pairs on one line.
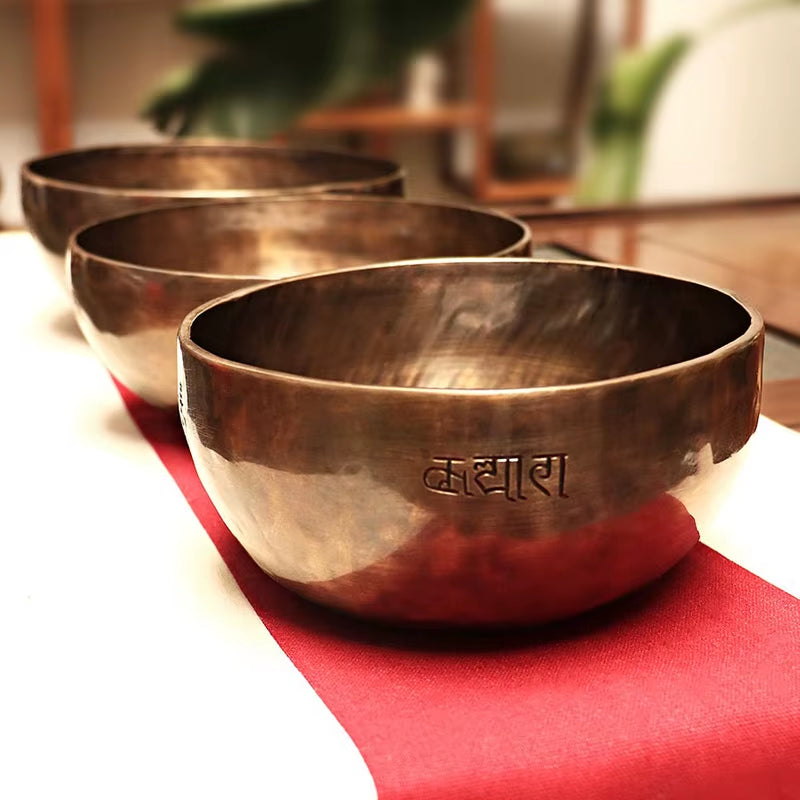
[[53, 74]]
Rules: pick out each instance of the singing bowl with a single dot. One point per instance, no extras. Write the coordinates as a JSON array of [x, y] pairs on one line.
[[66, 191], [472, 442], [134, 279]]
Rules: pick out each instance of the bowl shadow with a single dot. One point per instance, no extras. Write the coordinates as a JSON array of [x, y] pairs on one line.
[[159, 426], [64, 325], [282, 611]]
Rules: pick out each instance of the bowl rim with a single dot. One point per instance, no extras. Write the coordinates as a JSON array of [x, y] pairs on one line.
[[31, 170], [74, 247], [747, 339]]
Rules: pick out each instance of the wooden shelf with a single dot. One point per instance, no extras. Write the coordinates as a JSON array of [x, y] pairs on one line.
[[522, 189], [394, 118]]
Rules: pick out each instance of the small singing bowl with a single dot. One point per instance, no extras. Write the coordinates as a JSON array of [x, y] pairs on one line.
[[472, 442], [135, 278], [66, 191]]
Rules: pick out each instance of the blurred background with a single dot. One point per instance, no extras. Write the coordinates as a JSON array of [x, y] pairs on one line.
[[504, 102]]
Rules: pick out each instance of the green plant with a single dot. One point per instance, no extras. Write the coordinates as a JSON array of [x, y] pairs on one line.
[[277, 59], [625, 106]]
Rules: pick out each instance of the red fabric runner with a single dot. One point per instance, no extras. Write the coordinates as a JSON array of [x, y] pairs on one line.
[[688, 689]]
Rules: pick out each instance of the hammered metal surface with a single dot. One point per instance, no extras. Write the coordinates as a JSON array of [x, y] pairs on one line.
[[61, 193], [479, 442], [134, 279]]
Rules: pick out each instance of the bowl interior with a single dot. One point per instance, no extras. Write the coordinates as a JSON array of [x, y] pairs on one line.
[[286, 237], [207, 167], [472, 325]]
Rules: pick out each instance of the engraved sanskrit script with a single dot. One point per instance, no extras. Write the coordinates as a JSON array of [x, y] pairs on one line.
[[510, 477]]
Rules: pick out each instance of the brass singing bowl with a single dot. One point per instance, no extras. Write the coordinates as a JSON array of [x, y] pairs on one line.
[[66, 191], [134, 279], [471, 442]]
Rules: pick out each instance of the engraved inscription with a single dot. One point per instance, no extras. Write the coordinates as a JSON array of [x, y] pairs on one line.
[[445, 479], [181, 390], [508, 476], [499, 475], [542, 471], [182, 404]]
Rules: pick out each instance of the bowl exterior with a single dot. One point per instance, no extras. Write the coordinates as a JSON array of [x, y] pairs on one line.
[[52, 213], [53, 210], [130, 316], [471, 508]]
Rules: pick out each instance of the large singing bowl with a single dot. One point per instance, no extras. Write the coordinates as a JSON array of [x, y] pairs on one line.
[[134, 279], [472, 442], [66, 191]]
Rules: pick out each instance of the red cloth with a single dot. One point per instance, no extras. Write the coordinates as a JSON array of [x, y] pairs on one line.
[[689, 689]]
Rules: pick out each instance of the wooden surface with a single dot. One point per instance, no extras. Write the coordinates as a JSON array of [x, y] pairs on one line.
[[751, 250], [781, 402], [395, 118], [634, 23], [483, 91], [514, 190], [53, 78]]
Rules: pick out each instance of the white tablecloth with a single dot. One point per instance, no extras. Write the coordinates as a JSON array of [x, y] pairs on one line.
[[132, 665]]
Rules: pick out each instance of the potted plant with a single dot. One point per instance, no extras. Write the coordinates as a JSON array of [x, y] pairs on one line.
[[275, 60]]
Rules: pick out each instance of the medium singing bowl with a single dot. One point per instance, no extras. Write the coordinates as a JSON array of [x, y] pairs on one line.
[[135, 278], [66, 191], [472, 442]]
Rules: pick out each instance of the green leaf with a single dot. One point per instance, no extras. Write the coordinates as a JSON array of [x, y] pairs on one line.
[[246, 22], [637, 78], [408, 27], [236, 95], [613, 171], [378, 37], [625, 107], [281, 58], [619, 123]]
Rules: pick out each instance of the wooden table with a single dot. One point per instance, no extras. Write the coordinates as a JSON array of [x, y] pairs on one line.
[[751, 249]]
